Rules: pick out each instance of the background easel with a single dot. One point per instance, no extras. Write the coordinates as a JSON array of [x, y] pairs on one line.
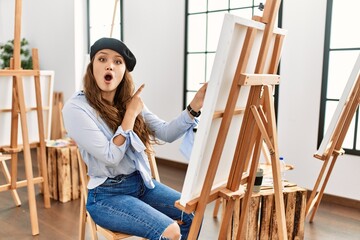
[[331, 146], [113, 18], [258, 125], [18, 112]]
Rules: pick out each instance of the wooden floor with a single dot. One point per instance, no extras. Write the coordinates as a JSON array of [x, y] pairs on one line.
[[60, 222]]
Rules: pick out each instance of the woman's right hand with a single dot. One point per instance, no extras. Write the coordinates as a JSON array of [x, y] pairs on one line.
[[136, 105]]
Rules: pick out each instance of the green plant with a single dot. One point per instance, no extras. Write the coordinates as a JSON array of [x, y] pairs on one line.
[[7, 50]]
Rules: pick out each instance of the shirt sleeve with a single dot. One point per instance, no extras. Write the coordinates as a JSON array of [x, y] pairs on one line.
[[91, 134], [138, 150], [169, 131]]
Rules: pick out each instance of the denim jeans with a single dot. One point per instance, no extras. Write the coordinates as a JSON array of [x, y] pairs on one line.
[[125, 204]]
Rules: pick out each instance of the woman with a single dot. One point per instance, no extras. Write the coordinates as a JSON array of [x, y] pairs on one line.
[[111, 127]]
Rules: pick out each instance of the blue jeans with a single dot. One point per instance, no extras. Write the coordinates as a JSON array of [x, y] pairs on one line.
[[125, 204]]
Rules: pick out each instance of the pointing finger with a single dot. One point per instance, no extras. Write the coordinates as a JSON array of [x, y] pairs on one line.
[[139, 90]]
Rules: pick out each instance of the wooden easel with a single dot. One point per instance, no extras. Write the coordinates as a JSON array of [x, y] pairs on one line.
[[258, 125], [334, 146], [19, 110], [113, 18]]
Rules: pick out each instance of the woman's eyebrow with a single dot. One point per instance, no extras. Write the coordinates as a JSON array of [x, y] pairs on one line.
[[101, 52]]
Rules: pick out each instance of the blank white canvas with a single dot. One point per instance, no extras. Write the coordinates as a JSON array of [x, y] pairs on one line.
[[227, 54], [326, 142], [46, 84]]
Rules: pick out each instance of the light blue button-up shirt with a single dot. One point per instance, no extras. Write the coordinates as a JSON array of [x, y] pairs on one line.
[[95, 140]]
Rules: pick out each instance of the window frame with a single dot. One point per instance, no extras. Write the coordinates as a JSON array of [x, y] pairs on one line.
[[121, 37], [186, 52], [324, 84]]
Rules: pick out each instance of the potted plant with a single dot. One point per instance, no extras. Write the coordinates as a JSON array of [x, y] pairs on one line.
[[7, 50]]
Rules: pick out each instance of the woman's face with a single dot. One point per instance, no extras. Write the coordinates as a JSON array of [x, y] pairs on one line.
[[108, 69]]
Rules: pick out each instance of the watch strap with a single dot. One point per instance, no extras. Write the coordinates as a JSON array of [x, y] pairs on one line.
[[192, 112]]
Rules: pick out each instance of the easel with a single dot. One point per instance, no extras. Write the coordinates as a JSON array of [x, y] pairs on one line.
[[113, 18], [334, 146], [19, 108], [258, 125]]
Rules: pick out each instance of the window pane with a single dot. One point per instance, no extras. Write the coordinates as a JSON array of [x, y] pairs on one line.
[[101, 12], [195, 71], [189, 97], [343, 51], [349, 138], [98, 32], [330, 109], [116, 32], [101, 19], [240, 3], [258, 12], [344, 24], [215, 21], [196, 33], [341, 64], [217, 4], [245, 13], [196, 6], [204, 23]]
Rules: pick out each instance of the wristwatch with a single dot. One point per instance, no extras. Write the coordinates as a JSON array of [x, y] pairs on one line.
[[192, 112]]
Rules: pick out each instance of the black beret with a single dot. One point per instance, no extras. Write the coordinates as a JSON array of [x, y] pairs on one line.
[[116, 45]]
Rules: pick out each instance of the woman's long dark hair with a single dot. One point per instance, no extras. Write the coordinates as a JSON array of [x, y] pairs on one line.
[[113, 114]]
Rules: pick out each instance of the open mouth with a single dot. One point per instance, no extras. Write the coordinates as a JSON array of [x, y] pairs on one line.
[[108, 77]]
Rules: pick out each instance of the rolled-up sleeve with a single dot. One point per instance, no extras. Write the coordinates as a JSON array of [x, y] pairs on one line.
[[87, 130], [138, 155], [169, 131]]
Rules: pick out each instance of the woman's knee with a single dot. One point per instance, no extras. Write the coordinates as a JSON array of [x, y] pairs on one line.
[[172, 232]]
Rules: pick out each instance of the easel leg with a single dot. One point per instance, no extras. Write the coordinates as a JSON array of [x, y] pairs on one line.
[[14, 193], [248, 194], [275, 164], [217, 206], [14, 134], [312, 199], [42, 148], [27, 159], [314, 202], [227, 216]]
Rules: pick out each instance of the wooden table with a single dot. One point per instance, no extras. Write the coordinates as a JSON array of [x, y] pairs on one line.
[[63, 172]]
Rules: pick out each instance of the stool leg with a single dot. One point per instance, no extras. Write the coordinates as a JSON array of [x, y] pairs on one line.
[[82, 218]]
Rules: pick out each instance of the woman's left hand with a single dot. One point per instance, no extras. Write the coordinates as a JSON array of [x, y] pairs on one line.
[[197, 103]]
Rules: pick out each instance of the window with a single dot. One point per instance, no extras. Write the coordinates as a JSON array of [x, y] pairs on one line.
[[105, 19], [342, 47], [204, 20]]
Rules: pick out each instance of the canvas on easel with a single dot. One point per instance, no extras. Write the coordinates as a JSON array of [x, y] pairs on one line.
[[225, 63], [238, 116], [331, 145], [46, 83]]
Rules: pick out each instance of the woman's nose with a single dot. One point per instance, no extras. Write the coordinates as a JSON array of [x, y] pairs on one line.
[[109, 68]]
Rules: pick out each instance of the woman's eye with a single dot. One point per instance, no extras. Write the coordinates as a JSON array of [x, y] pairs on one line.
[[118, 62], [102, 59]]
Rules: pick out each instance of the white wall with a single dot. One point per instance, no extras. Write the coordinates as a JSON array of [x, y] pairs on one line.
[[299, 100], [154, 31]]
